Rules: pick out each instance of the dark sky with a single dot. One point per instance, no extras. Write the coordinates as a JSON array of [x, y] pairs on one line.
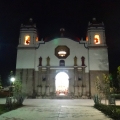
[[50, 16]]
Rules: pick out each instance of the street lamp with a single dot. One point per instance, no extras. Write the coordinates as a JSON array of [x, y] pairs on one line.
[[12, 79]]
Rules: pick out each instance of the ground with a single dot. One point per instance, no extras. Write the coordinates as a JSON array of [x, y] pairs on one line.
[[55, 109]]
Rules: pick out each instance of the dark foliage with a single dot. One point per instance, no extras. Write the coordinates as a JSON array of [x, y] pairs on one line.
[[110, 110]]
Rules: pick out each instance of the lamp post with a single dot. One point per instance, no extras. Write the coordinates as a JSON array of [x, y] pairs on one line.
[[12, 80]]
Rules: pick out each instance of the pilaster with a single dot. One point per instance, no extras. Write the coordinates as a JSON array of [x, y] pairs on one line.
[[75, 76], [47, 89], [40, 81], [83, 87], [48, 81]]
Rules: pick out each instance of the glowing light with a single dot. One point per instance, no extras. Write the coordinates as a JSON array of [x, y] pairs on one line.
[[62, 83], [86, 38], [27, 40], [36, 38], [56, 41], [97, 39], [62, 53], [12, 79]]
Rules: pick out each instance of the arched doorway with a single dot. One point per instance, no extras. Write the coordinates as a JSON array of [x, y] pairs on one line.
[[62, 83]]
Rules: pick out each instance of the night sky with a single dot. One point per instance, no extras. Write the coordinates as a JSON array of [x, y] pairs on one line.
[[49, 17]]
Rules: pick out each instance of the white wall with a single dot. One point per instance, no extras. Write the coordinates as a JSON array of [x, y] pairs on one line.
[[48, 49], [98, 59], [29, 58], [25, 58]]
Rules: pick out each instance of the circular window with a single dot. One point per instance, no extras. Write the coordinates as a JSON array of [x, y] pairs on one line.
[[62, 52]]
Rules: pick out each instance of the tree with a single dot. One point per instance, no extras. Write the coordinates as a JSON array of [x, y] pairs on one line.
[[118, 76], [17, 87], [103, 86], [17, 92], [10, 76]]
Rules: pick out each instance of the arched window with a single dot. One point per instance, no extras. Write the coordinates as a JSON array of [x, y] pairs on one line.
[[97, 39], [27, 40], [62, 63]]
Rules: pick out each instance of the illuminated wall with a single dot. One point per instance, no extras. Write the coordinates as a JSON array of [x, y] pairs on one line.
[[48, 49], [25, 58], [98, 59]]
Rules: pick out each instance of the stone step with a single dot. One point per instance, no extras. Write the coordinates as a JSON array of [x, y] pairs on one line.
[[62, 97]]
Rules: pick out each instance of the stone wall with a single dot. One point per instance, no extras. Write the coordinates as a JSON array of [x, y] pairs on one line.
[[38, 81], [26, 76]]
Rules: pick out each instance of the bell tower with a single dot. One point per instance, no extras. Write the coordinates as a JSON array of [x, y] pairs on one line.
[[28, 35], [97, 47], [26, 50], [97, 53], [96, 33]]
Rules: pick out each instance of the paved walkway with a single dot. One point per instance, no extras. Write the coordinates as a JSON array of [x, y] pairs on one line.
[[51, 109]]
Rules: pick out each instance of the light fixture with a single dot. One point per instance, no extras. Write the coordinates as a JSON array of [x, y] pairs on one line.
[[12, 79], [62, 53]]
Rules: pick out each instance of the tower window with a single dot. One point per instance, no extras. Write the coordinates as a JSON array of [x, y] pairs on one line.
[[62, 63], [97, 39], [27, 40]]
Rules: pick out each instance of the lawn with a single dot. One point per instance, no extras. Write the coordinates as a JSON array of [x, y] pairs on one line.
[[3, 109]]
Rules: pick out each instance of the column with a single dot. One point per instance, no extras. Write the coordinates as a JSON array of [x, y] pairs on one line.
[[83, 66], [83, 82], [40, 77], [48, 77], [75, 76], [48, 81], [40, 80]]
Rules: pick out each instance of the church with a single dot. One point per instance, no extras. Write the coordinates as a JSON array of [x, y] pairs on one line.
[[61, 64]]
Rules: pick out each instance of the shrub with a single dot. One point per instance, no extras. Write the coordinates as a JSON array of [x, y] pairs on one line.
[[103, 86], [3, 109], [110, 110], [117, 96]]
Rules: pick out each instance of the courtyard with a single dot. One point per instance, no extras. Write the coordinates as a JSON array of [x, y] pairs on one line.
[[55, 109]]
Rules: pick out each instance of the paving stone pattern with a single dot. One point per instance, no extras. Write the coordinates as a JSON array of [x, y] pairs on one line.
[[43, 109]]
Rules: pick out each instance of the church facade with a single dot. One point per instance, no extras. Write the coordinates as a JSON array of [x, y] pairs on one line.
[[62, 64]]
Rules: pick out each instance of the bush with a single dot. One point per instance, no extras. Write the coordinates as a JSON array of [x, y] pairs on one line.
[[3, 109], [14, 102], [117, 96], [19, 97], [110, 110]]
